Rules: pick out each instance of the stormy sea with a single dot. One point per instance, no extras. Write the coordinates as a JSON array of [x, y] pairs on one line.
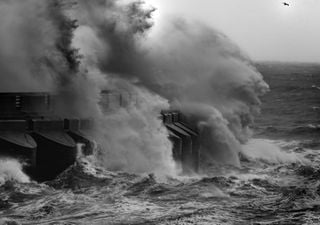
[[277, 183], [258, 124]]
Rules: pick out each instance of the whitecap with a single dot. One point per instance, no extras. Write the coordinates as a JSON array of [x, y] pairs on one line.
[[271, 151]]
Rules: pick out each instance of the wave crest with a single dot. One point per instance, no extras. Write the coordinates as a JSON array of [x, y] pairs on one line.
[[11, 170]]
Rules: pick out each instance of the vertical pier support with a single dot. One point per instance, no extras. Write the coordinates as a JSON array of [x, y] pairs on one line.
[[189, 154]]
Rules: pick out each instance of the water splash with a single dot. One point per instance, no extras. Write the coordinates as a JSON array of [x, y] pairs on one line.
[[270, 151], [116, 45], [11, 170]]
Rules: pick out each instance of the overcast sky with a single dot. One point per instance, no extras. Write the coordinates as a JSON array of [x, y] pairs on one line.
[[264, 29]]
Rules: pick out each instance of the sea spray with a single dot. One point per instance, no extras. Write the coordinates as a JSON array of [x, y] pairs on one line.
[[85, 47], [196, 64], [11, 170], [133, 138], [271, 152], [43, 44], [218, 143], [263, 192], [208, 78], [27, 38]]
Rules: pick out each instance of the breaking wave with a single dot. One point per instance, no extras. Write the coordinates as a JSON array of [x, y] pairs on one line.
[[281, 181], [270, 151], [11, 170]]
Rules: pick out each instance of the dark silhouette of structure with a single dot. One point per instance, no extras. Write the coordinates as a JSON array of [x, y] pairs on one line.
[[31, 132]]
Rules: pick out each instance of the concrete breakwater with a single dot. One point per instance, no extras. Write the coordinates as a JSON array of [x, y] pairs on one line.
[[30, 132], [47, 144], [186, 146]]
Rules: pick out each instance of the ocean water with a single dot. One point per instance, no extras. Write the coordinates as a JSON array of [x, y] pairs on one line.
[[278, 182]]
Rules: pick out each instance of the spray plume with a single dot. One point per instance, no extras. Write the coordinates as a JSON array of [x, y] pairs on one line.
[[26, 37], [11, 170], [178, 64], [199, 70]]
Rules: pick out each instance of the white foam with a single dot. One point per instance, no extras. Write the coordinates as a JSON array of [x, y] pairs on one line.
[[270, 151], [11, 169]]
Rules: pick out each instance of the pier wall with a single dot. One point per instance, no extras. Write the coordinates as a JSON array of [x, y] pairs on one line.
[[48, 144]]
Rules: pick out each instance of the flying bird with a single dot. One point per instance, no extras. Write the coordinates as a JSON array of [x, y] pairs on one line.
[[285, 4]]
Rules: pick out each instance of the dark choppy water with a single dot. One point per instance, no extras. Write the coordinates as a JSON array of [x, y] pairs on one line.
[[279, 182], [292, 108]]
